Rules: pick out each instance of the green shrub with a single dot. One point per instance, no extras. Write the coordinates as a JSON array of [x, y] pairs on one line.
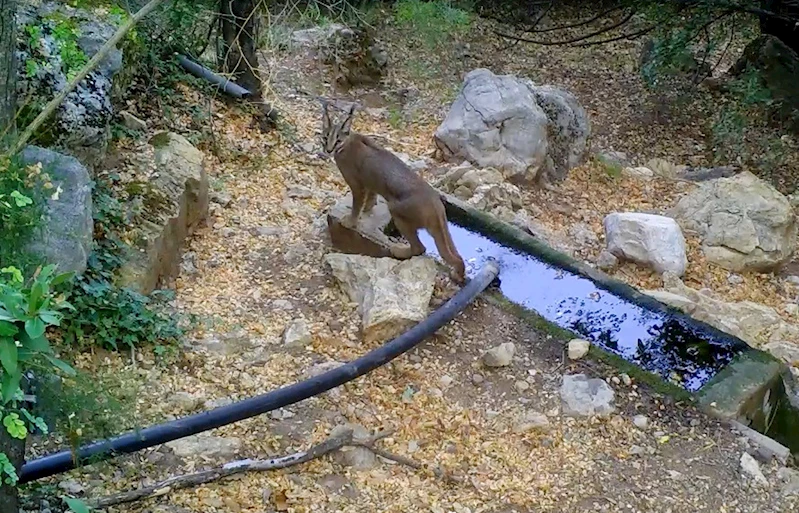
[[107, 315], [22, 196], [433, 22], [27, 309]]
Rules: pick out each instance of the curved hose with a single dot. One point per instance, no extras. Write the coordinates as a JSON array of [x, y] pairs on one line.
[[197, 423]]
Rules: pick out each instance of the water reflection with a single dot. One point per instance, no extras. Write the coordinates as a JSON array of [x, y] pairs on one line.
[[655, 341]]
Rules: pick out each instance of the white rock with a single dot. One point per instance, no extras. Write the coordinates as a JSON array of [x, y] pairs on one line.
[[641, 421], [643, 173], [583, 397], [607, 261], [359, 458], [297, 334], [532, 421], [499, 356], [647, 239], [131, 122], [206, 446], [578, 348], [392, 294], [789, 479], [751, 468]]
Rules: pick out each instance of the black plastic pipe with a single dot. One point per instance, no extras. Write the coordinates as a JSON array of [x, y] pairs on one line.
[[137, 440], [226, 85]]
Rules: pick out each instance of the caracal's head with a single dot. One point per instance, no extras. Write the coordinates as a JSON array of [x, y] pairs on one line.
[[335, 131]]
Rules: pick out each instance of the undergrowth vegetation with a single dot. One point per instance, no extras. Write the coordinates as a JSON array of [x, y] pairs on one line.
[[432, 22]]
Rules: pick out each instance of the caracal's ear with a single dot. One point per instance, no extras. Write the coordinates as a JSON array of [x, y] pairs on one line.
[[347, 124]]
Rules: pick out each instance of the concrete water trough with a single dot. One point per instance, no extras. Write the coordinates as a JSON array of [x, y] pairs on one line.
[[666, 347]]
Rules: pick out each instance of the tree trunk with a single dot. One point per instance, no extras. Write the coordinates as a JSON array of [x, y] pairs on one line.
[[786, 31], [239, 29], [14, 449], [240, 23], [7, 70]]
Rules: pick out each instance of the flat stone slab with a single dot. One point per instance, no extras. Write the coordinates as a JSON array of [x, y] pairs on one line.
[[369, 238]]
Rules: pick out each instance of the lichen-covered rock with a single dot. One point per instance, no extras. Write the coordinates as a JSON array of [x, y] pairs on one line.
[[745, 223], [175, 200], [392, 294], [56, 41], [510, 124], [65, 237], [567, 130]]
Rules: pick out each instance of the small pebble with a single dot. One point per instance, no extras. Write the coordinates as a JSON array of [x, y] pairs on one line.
[[477, 379], [641, 421]]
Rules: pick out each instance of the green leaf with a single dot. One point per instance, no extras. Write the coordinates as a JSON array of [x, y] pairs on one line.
[[76, 505], [34, 328], [50, 317], [15, 273], [36, 421], [62, 365], [7, 329], [37, 291], [5, 315], [20, 199], [9, 383], [8, 355], [38, 344], [15, 426], [61, 278]]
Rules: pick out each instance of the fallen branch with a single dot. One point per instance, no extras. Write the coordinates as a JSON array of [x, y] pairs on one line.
[[90, 66], [166, 486], [408, 462]]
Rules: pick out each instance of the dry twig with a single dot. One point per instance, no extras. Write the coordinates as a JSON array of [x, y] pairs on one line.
[[328, 446]]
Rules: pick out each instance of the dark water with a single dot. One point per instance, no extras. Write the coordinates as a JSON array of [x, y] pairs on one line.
[[655, 341]]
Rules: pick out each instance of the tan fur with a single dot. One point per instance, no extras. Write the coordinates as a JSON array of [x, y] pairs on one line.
[[370, 169]]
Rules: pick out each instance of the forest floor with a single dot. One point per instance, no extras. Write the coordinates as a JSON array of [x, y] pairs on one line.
[[259, 265]]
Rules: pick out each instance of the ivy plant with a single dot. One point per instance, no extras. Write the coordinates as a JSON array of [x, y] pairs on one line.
[[27, 309]]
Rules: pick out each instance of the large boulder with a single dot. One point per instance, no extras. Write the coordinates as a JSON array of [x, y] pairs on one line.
[[392, 294], [567, 128], [58, 41], [174, 200], [646, 239], [65, 237], [745, 223], [510, 124]]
